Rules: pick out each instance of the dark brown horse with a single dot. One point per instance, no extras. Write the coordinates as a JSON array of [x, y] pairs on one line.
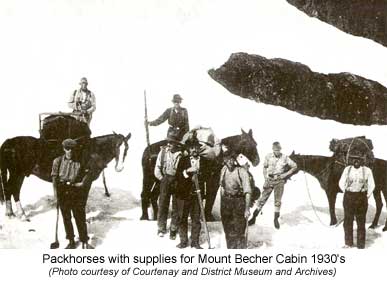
[[328, 171], [22, 156], [240, 144]]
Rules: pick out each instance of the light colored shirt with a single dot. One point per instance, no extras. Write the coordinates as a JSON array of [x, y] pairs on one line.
[[357, 180], [236, 181], [65, 169], [276, 165], [169, 165], [82, 101]]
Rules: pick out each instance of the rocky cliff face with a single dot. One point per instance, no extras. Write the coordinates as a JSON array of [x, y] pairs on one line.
[[344, 97], [358, 17]]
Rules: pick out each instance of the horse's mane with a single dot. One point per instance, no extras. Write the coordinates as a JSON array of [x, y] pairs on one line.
[[230, 138], [104, 136]]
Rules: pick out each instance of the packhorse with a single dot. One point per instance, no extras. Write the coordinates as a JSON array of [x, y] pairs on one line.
[[328, 171], [25, 155], [240, 144]]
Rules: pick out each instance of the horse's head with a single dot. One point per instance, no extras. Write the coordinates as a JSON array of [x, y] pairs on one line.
[[121, 147], [248, 147]]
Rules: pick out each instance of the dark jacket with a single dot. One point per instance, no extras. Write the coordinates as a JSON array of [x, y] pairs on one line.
[[186, 186], [175, 119]]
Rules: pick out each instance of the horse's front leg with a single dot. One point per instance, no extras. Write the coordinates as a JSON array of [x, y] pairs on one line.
[[107, 194], [16, 195], [379, 206], [8, 209], [332, 205]]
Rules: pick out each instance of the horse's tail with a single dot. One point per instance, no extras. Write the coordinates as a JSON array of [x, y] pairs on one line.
[[3, 177]]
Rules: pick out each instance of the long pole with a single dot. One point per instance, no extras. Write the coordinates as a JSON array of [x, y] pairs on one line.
[[196, 181], [146, 120]]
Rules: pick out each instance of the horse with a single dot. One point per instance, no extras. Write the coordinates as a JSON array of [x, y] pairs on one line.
[[25, 155], [241, 144], [328, 171]]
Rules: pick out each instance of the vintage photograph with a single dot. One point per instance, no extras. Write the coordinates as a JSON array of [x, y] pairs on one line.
[[193, 125]]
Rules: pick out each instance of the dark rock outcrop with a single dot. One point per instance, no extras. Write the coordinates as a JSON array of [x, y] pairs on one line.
[[344, 97], [357, 17]]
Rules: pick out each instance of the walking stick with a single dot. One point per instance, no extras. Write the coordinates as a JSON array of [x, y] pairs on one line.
[[55, 244], [196, 181], [247, 230]]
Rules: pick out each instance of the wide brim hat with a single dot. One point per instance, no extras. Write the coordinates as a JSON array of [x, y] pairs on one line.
[[69, 143], [228, 155], [356, 154], [177, 98], [172, 139]]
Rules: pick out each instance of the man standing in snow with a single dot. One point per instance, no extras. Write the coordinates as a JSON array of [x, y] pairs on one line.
[[358, 183], [177, 117], [165, 171], [235, 201], [70, 182], [276, 168]]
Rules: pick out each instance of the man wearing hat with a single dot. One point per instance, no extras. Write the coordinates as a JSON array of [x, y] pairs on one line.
[[235, 201], [177, 117], [82, 102], [358, 183], [165, 171], [186, 196], [69, 182], [276, 169]]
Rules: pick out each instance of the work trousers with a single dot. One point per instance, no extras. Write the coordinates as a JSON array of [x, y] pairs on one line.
[[268, 187], [189, 207], [355, 207], [72, 201], [167, 190], [232, 211]]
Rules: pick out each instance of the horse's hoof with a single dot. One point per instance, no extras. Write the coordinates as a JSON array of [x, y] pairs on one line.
[[144, 218], [372, 226], [385, 229]]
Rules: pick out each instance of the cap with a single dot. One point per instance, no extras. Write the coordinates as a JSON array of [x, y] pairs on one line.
[[83, 80], [69, 143]]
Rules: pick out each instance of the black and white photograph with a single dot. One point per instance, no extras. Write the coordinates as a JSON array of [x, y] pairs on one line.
[[193, 126]]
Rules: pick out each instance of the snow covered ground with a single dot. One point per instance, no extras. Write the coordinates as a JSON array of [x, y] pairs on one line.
[[114, 223], [124, 47]]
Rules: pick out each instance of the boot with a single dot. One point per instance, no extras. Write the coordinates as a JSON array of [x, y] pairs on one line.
[[182, 245], [85, 245], [276, 223], [144, 207], [71, 244], [172, 235], [196, 245]]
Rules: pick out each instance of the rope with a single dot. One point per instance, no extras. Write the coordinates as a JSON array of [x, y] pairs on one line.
[[310, 198], [311, 201]]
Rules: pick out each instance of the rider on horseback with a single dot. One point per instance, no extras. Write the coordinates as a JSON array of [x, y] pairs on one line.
[[82, 102]]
